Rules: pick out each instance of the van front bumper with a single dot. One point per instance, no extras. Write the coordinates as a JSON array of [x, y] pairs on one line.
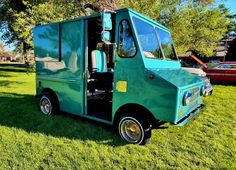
[[190, 116]]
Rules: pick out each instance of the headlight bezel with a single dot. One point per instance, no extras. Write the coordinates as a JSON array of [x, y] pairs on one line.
[[203, 90], [186, 98]]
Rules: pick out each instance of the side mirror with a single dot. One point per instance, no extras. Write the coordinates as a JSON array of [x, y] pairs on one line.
[[106, 21], [106, 36], [106, 26]]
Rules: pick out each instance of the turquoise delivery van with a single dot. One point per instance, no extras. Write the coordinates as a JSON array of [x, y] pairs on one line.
[[116, 67]]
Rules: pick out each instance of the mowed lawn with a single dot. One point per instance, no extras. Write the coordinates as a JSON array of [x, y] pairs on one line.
[[30, 140]]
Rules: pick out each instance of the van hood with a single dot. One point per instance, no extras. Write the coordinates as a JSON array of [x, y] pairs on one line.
[[178, 77]]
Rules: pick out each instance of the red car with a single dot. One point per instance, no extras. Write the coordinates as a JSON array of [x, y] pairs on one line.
[[223, 72]]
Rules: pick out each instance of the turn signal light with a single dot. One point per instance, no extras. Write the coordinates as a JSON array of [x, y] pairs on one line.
[[151, 76]]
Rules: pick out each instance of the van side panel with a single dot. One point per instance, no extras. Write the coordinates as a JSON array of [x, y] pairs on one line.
[[59, 53]]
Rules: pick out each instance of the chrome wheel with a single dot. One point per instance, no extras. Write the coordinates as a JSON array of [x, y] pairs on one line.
[[45, 105], [131, 130]]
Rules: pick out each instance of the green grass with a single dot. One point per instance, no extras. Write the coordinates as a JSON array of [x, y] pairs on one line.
[[30, 140]]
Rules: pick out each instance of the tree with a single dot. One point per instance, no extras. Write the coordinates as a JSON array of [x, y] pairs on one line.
[[8, 9], [198, 30], [196, 25], [18, 18], [230, 17]]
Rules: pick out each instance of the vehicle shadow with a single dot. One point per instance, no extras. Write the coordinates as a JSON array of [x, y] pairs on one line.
[[6, 83], [21, 111], [2, 74], [13, 69]]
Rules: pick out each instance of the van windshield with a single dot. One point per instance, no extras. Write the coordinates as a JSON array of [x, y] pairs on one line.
[[155, 43]]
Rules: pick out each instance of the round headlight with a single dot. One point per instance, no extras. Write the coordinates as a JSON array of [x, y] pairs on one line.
[[203, 90], [186, 98]]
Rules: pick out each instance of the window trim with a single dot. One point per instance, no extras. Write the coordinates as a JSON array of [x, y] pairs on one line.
[[132, 35], [159, 43], [177, 59]]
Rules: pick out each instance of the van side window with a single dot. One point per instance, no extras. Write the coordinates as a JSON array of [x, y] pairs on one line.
[[126, 46]]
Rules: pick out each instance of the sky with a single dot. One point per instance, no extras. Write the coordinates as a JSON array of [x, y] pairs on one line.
[[231, 4]]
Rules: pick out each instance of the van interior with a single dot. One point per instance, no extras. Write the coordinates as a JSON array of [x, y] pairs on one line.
[[100, 72]]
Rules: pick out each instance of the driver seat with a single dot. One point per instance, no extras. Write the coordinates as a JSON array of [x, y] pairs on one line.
[[101, 78], [99, 62]]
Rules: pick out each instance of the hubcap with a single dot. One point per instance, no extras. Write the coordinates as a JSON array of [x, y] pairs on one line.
[[130, 131], [45, 106]]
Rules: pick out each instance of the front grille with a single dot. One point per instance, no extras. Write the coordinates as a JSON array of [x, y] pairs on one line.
[[194, 92], [193, 97]]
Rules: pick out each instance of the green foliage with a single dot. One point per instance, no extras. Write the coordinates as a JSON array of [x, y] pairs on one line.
[[196, 25], [143, 6], [230, 17], [7, 11], [198, 30], [30, 140], [42, 14], [21, 21]]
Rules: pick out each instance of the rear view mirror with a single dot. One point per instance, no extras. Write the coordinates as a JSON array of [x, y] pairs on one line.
[[106, 36], [106, 21], [106, 26]]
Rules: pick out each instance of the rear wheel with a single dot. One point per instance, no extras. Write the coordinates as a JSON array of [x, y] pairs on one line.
[[134, 129], [48, 104]]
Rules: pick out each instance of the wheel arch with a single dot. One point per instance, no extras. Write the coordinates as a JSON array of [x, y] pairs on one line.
[[50, 92], [131, 107]]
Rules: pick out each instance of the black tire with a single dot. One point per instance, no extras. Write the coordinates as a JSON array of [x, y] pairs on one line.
[[48, 104], [142, 128]]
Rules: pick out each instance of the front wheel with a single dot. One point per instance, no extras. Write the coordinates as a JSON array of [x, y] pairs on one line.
[[134, 129]]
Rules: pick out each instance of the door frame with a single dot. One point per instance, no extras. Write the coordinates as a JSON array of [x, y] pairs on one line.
[[85, 76]]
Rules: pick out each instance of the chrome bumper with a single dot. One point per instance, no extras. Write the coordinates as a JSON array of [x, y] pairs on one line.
[[190, 116]]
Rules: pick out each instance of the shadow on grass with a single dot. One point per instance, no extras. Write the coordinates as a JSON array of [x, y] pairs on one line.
[[13, 69], [6, 83], [5, 74], [21, 111]]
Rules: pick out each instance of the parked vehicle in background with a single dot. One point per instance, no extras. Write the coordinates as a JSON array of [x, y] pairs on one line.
[[196, 71], [229, 62], [199, 72], [116, 67], [215, 61], [223, 72]]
